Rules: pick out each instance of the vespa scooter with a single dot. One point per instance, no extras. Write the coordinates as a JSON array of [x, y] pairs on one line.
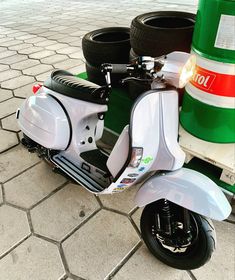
[[64, 119]]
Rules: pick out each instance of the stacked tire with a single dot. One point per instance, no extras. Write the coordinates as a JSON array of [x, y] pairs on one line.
[[151, 34], [106, 45], [159, 33]]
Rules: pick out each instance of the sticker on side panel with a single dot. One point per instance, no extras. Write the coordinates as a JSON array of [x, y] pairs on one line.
[[127, 181], [147, 160], [141, 169], [118, 189], [133, 175], [122, 186]]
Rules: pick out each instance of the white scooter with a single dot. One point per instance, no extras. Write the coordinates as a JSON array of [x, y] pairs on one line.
[[64, 119]]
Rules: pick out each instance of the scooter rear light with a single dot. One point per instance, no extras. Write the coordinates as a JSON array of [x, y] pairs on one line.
[[136, 156], [36, 87]]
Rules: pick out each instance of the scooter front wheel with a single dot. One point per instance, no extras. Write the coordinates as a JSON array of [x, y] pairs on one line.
[[171, 241]]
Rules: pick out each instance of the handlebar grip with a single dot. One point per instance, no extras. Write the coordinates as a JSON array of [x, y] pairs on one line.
[[119, 68]]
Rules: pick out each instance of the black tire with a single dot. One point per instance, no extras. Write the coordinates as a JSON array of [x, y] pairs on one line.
[[95, 75], [136, 88], [162, 32], [133, 56], [111, 45], [196, 254]]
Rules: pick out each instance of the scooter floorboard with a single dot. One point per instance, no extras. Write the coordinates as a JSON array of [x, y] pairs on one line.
[[77, 174]]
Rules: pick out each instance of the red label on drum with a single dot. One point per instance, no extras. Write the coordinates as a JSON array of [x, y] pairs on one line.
[[214, 83]]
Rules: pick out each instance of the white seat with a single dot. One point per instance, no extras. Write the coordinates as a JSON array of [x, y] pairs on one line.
[[119, 153]]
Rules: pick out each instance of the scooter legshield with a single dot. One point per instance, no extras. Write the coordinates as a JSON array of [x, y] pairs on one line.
[[189, 189], [43, 119]]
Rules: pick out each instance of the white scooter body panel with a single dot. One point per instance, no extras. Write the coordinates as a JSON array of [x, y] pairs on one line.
[[82, 115], [43, 120], [157, 137], [189, 189]]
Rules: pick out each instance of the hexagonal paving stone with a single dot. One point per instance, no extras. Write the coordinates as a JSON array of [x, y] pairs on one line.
[[10, 123], [34, 259], [7, 140], [16, 34], [69, 39], [62, 212], [149, 269], [123, 201], [11, 43], [38, 69], [68, 63], [13, 59], [78, 54], [54, 58], [18, 82], [26, 36], [136, 217], [42, 77], [25, 64], [1, 197], [5, 94], [20, 47], [9, 106], [221, 265], [30, 50], [68, 50], [3, 67], [2, 49], [45, 43], [35, 40], [6, 54], [99, 245], [56, 47], [25, 91], [77, 69], [15, 161], [14, 227], [9, 74], [33, 185], [42, 54]]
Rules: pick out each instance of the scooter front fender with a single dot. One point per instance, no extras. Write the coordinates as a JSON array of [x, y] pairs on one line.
[[189, 189]]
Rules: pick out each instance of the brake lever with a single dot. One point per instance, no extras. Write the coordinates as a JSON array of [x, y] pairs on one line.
[[128, 79]]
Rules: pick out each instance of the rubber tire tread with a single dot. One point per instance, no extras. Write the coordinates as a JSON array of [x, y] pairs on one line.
[[204, 247], [152, 41], [136, 88], [97, 52]]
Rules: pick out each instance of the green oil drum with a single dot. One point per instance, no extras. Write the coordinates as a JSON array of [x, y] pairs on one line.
[[208, 109]]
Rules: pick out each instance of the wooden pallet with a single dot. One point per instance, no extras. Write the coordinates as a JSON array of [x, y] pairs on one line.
[[220, 155]]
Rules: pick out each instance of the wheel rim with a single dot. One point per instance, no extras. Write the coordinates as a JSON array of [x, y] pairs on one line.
[[181, 249]]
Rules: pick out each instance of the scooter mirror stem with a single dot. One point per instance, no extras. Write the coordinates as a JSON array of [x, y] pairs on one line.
[[106, 69]]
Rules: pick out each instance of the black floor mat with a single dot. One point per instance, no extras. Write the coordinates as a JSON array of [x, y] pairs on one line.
[[96, 158]]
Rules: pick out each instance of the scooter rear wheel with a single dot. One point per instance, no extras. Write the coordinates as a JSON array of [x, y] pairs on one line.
[[192, 256]]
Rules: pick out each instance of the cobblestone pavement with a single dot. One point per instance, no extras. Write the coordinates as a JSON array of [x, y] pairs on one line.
[[50, 228]]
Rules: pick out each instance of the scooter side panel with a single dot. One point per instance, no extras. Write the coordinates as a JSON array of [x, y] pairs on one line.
[[189, 189], [157, 138], [43, 120]]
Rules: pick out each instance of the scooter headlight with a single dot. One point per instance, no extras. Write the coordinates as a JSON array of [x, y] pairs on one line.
[[178, 68], [187, 71]]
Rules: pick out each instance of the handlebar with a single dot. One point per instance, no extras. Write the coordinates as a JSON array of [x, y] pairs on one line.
[[116, 68], [119, 68]]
